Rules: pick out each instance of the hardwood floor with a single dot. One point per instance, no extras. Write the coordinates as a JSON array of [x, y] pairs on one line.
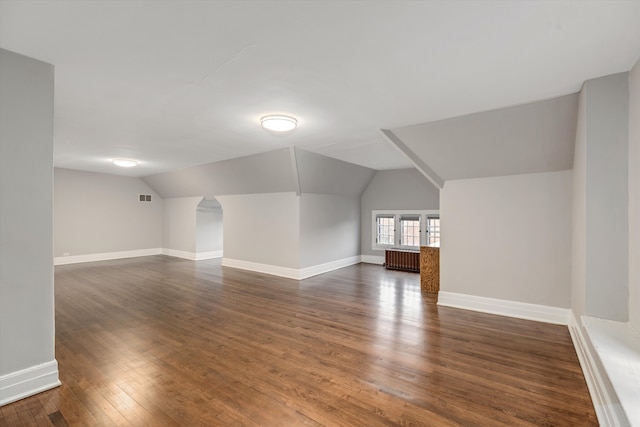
[[161, 341]]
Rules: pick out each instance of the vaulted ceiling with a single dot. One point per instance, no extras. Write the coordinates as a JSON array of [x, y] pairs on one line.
[[176, 84]]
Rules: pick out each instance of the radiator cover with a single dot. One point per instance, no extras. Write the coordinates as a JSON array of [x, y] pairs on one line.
[[405, 260]]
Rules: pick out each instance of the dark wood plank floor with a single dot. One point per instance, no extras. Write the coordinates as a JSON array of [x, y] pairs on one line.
[[166, 342]]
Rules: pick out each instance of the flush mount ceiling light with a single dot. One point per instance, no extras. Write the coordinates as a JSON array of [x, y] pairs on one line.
[[278, 123], [125, 163]]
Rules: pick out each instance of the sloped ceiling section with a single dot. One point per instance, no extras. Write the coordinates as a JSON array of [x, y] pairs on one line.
[[270, 172], [274, 172], [324, 175], [530, 138]]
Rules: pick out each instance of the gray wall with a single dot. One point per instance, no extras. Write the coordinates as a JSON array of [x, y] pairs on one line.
[[285, 230], [26, 211], [99, 213], [605, 237], [601, 246], [255, 190], [634, 196], [188, 226], [179, 231], [401, 189], [209, 228], [601, 222], [329, 228], [508, 238], [606, 198], [606, 194], [262, 228], [579, 211]]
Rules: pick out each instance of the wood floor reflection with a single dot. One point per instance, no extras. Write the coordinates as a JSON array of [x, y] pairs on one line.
[[161, 341]]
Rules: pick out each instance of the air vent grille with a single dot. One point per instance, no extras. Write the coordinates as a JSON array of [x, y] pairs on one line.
[[144, 197]]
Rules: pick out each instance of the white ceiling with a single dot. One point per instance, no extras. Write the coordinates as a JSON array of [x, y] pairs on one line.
[[182, 83]]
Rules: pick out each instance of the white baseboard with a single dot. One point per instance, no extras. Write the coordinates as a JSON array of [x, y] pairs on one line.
[[539, 313], [611, 361], [373, 259], [208, 255], [290, 273], [104, 256], [193, 256], [605, 402], [179, 254], [27, 382], [314, 270]]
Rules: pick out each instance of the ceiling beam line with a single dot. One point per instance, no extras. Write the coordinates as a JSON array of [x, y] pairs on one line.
[[294, 168], [419, 164]]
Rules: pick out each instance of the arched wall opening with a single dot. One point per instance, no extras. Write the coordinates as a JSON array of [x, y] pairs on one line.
[[209, 228]]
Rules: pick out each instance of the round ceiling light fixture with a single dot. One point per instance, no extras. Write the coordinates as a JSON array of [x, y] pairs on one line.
[[278, 123], [125, 163]]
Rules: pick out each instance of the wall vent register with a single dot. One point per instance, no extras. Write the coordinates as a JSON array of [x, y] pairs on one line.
[[144, 197]]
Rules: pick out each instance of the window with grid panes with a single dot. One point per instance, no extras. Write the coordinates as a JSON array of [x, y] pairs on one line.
[[410, 230], [433, 230], [385, 226], [405, 229]]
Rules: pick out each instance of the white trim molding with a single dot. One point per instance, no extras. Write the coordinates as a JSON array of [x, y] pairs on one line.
[[605, 401], [27, 382], [373, 259], [105, 256], [193, 256], [179, 254], [521, 310], [208, 255], [294, 168], [288, 272], [609, 354], [314, 270], [424, 168]]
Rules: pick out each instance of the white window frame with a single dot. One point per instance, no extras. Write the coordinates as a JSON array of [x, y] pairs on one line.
[[428, 236], [393, 231], [397, 214], [400, 234]]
